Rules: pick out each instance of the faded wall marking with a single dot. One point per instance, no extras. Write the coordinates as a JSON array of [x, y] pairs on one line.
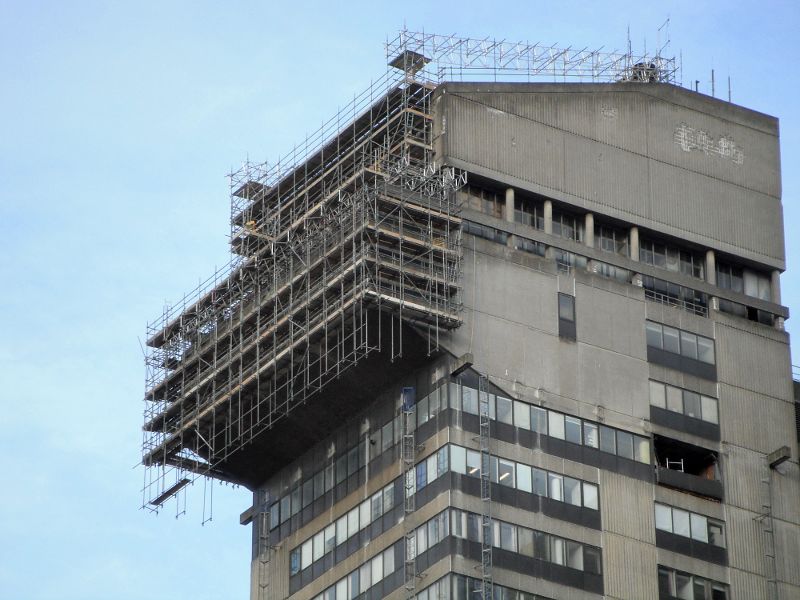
[[689, 138]]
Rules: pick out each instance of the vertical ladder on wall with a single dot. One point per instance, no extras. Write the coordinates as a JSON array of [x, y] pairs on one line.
[[264, 548], [486, 490], [767, 527], [408, 452]]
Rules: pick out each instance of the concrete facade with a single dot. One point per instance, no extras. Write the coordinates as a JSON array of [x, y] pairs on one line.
[[655, 162]]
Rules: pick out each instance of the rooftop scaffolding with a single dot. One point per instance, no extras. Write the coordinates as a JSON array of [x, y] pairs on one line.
[[355, 228]]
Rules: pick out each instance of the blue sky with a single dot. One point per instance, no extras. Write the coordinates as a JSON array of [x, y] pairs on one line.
[[118, 123]]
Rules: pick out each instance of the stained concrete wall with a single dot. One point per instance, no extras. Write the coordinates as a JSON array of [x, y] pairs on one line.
[[657, 156]]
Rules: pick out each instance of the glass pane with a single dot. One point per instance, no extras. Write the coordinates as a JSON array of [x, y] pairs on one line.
[[539, 420], [504, 410], [575, 555], [663, 518], [654, 336], [672, 341], [458, 459], [319, 546], [366, 577], [508, 537], [305, 555], [522, 415], [699, 589], [709, 409], [674, 399], [555, 486], [505, 471], [680, 522], [377, 506], [330, 538], [590, 434], [422, 411], [541, 546], [699, 528], [590, 496], [642, 449], [591, 560], [716, 534], [688, 344], [566, 307], [719, 592], [525, 541], [469, 399], [524, 481], [607, 440], [364, 514], [341, 530], [557, 551], [657, 394], [388, 562], [705, 350], [539, 482], [555, 423], [683, 587], [572, 491], [572, 430], [665, 583], [691, 404], [473, 463], [625, 444], [352, 522], [434, 407]]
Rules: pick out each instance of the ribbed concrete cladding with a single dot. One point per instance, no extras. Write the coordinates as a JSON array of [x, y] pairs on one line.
[[524, 134]]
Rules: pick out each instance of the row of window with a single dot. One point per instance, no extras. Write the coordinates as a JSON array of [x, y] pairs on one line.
[[460, 587], [685, 586], [343, 529], [526, 478], [616, 240], [678, 341], [556, 424], [528, 542], [428, 534], [360, 580], [690, 525], [427, 471], [744, 281], [677, 260], [673, 294], [684, 402], [467, 462]]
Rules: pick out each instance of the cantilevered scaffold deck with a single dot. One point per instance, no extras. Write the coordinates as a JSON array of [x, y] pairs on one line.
[[338, 249]]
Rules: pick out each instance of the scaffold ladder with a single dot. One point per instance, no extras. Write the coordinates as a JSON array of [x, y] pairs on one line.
[[408, 456], [264, 548], [486, 490]]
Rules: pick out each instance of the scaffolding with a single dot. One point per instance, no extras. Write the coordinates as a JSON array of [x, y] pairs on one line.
[[357, 223], [485, 590], [408, 457]]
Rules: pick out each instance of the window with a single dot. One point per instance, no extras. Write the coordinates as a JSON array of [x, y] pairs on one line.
[[685, 586], [539, 420], [682, 401], [522, 415], [566, 307], [690, 525], [672, 258], [572, 429], [590, 496], [684, 343], [609, 239], [505, 471], [590, 435], [504, 410], [607, 440], [555, 423], [566, 316], [568, 226]]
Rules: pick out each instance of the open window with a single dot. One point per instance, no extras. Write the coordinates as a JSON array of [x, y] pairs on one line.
[[687, 467]]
